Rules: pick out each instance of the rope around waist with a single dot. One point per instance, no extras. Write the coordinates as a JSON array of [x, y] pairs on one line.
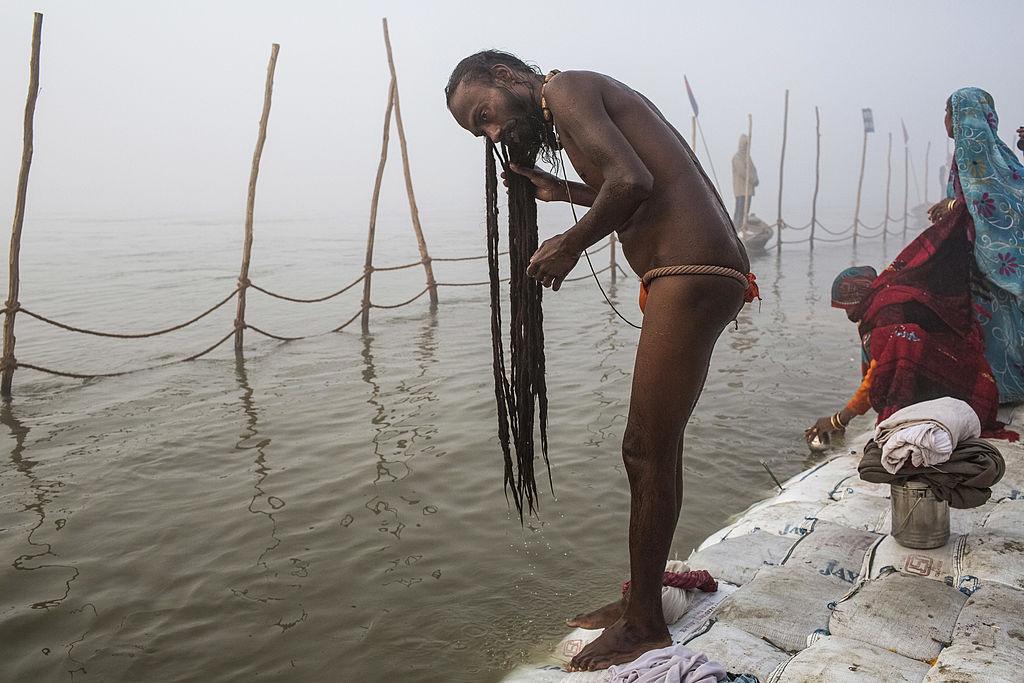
[[695, 270]]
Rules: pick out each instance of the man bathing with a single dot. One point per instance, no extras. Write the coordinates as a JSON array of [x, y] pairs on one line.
[[642, 181]]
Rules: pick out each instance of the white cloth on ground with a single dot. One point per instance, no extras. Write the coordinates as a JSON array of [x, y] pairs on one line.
[[674, 664], [926, 432]]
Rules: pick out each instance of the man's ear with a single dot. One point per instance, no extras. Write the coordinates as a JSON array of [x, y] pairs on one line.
[[503, 75]]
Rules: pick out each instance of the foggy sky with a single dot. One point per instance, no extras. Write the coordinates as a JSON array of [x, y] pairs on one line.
[[151, 108]]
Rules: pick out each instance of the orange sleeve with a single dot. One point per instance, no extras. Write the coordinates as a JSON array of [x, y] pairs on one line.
[[861, 401]]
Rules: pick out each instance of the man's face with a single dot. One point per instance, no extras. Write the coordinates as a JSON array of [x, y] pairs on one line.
[[501, 113]]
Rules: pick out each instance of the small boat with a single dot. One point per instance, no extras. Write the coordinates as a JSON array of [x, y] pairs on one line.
[[755, 234]]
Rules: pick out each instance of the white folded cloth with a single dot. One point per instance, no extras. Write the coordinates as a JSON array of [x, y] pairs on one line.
[[926, 433], [675, 664]]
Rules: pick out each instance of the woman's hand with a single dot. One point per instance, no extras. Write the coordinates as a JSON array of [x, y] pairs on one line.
[[940, 210], [546, 187], [553, 261], [823, 427]]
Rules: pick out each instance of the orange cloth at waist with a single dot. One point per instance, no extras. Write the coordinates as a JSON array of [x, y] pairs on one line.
[[749, 279]]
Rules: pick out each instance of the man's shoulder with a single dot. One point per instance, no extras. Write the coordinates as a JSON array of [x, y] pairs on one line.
[[576, 82]]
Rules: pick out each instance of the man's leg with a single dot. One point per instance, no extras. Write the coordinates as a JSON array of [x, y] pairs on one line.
[[684, 317]]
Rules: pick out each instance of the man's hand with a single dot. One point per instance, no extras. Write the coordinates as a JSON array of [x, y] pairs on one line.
[[823, 427], [553, 261], [939, 211], [546, 187]]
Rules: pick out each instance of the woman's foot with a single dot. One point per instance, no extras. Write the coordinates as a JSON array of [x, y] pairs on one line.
[[621, 642], [602, 617]]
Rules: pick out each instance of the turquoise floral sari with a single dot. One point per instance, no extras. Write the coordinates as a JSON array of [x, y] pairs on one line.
[[992, 182]]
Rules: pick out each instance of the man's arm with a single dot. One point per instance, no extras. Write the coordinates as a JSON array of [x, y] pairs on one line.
[[550, 188]]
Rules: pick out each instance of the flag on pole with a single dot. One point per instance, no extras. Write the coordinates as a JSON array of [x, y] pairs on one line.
[[689, 93], [906, 135], [869, 120]]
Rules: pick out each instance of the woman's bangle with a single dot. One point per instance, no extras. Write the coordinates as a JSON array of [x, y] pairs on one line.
[[837, 421], [950, 203]]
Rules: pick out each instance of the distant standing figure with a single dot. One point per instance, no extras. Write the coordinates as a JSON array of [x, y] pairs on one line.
[[744, 180]]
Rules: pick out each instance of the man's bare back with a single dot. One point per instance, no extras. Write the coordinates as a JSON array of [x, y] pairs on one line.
[[641, 180]]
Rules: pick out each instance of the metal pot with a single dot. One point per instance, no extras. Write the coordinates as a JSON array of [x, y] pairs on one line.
[[919, 519]]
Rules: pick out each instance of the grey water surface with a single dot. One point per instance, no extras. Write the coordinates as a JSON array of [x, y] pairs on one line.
[[332, 508]]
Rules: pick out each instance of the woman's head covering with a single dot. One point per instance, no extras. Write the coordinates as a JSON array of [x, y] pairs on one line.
[[992, 180], [851, 285]]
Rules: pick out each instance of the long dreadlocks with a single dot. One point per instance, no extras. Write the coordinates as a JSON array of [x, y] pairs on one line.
[[520, 390], [520, 396]]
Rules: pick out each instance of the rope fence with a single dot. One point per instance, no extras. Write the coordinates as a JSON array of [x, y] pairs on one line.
[[8, 361]]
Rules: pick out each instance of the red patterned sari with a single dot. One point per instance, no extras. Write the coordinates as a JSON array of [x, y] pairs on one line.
[[919, 327]]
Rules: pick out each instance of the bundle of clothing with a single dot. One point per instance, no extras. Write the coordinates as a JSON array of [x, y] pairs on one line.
[[674, 664], [935, 442]]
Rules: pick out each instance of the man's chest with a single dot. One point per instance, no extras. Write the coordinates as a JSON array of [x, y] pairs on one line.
[[588, 171]]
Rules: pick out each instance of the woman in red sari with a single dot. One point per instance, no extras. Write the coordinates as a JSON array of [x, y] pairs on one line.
[[919, 334]]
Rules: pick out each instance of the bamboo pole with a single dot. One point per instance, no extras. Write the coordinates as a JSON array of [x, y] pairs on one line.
[[746, 173], [413, 210], [374, 201], [782, 168], [817, 172], [888, 190], [693, 133], [927, 165], [906, 188], [13, 286], [611, 254], [250, 203], [711, 163], [860, 186]]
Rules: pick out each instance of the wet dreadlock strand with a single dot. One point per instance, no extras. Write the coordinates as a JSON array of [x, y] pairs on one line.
[[521, 394], [502, 393]]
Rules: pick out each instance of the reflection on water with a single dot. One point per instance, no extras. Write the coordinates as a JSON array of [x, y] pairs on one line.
[[402, 429], [261, 504], [43, 493]]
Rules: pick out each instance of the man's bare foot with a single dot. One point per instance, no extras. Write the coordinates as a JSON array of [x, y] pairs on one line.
[[621, 642], [602, 617]]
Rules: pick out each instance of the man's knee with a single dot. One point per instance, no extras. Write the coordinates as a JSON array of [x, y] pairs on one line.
[[642, 446]]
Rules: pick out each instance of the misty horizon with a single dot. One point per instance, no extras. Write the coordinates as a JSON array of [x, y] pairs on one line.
[[152, 111]]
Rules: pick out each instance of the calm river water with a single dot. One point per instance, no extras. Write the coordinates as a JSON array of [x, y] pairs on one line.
[[332, 508]]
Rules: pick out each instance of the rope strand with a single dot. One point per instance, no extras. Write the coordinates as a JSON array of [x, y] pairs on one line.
[[122, 335]]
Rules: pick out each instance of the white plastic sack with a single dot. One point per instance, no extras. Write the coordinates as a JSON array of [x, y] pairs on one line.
[[783, 605], [788, 518], [855, 486], [1012, 483], [833, 550], [841, 660], [702, 606], [967, 663], [992, 617], [939, 564], [1005, 516], [905, 614], [991, 555], [817, 483], [737, 560], [738, 651], [864, 512]]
